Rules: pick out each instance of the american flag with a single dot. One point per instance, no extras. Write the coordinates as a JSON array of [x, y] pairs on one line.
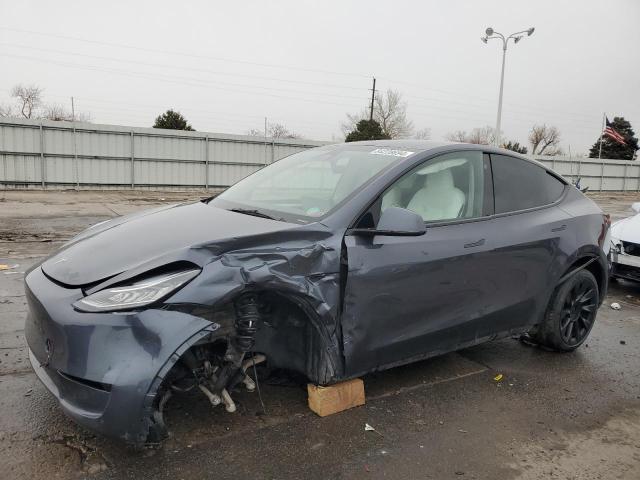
[[610, 132]]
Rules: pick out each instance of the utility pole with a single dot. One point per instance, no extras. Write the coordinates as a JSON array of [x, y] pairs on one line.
[[373, 96], [75, 146], [265, 140]]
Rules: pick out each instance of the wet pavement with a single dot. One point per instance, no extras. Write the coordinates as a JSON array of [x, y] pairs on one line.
[[570, 416]]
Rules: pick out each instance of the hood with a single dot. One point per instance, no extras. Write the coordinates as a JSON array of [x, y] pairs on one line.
[[627, 229], [125, 243]]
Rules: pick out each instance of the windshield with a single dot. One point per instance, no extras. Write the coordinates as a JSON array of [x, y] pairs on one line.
[[307, 185]]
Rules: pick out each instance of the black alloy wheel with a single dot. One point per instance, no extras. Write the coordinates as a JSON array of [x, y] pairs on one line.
[[578, 312], [571, 313]]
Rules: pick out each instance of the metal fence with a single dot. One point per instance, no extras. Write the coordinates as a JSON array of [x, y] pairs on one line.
[[598, 175], [63, 154], [59, 154]]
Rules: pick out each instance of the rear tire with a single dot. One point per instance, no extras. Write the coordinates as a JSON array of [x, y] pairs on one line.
[[571, 313]]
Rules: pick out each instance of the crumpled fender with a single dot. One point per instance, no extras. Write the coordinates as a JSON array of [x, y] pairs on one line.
[[303, 264]]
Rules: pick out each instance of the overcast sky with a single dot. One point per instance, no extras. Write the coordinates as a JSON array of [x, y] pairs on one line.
[[227, 65]]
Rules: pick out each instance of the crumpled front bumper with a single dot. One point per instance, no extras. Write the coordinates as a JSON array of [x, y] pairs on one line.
[[624, 265], [104, 368]]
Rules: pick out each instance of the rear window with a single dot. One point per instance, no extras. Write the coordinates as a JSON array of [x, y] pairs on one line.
[[519, 184]]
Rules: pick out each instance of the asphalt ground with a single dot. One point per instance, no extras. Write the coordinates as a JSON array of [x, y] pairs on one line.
[[569, 416]]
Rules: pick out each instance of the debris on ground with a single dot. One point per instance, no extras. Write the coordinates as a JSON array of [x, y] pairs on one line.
[[616, 306], [622, 342], [498, 377], [4, 266], [369, 428]]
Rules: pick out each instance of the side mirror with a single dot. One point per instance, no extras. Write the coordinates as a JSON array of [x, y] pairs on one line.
[[635, 207], [396, 221]]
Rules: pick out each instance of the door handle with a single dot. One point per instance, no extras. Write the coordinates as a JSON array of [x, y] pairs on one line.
[[477, 243], [559, 229]]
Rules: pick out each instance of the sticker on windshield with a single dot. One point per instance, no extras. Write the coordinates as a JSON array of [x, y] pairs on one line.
[[391, 152], [314, 212]]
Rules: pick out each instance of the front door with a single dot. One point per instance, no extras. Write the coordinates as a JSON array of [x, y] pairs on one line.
[[406, 296]]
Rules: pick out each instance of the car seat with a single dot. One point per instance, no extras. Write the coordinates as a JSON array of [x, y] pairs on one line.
[[439, 199]]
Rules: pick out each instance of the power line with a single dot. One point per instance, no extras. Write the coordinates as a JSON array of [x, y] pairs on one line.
[[181, 54], [217, 82], [207, 115], [179, 67], [179, 80], [537, 111], [198, 56], [490, 102]]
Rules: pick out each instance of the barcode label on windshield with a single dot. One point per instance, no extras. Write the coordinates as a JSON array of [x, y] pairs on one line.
[[391, 152]]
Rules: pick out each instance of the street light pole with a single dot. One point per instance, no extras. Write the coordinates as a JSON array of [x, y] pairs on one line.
[[490, 35], [499, 118]]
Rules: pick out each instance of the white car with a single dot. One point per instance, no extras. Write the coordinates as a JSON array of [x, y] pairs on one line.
[[625, 246]]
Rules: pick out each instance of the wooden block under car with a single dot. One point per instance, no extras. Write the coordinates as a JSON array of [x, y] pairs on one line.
[[336, 398]]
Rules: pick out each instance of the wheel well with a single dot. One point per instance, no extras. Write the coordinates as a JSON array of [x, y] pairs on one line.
[[596, 270]]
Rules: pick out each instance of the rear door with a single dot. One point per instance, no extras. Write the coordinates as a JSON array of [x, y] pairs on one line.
[[528, 226]]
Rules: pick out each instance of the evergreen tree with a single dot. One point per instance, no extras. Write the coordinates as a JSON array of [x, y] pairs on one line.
[[515, 147], [366, 130], [611, 148], [173, 121]]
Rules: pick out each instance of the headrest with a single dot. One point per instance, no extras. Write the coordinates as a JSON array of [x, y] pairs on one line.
[[439, 180]]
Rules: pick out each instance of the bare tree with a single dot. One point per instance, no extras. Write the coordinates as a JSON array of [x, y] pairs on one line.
[[422, 134], [277, 130], [29, 99], [274, 130], [30, 104], [544, 140], [481, 136], [391, 114], [56, 112], [457, 136], [59, 113], [389, 110]]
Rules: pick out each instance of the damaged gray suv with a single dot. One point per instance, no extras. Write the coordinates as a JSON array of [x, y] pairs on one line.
[[331, 263]]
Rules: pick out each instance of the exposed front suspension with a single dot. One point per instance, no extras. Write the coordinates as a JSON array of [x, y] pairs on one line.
[[247, 321], [234, 369]]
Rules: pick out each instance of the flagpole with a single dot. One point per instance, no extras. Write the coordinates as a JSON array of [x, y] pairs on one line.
[[604, 115]]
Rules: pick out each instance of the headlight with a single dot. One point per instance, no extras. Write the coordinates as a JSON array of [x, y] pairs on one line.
[[127, 297]]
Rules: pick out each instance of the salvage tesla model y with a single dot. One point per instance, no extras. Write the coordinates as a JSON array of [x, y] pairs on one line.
[[333, 262]]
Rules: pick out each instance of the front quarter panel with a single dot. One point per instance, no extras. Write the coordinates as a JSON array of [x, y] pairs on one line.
[[122, 351]]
